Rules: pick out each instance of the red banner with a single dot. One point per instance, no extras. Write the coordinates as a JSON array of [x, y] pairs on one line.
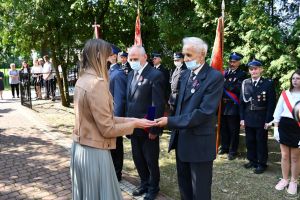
[[217, 54], [138, 35]]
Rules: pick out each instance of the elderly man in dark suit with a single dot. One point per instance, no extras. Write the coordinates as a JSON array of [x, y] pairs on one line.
[[117, 88], [145, 89], [194, 135]]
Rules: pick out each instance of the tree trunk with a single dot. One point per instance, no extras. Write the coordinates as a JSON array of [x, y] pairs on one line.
[[64, 101]]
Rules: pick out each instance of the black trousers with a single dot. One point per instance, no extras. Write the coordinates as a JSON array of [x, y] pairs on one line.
[[257, 145], [194, 179], [50, 87], [118, 157], [230, 133], [145, 153], [14, 88]]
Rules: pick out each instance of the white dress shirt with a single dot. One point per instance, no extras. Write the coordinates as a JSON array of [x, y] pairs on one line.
[[281, 108], [47, 71]]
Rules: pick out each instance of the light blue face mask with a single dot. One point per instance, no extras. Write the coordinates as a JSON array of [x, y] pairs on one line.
[[135, 65], [191, 65]]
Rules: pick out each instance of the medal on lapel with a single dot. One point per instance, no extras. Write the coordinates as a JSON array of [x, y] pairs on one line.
[[141, 79], [195, 84]]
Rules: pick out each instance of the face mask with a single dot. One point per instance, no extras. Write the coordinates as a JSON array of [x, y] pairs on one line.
[[191, 65], [135, 65], [177, 63]]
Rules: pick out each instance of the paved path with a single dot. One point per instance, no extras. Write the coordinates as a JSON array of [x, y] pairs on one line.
[[34, 159]]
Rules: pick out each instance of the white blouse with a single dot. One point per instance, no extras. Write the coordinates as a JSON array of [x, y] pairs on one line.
[[281, 108]]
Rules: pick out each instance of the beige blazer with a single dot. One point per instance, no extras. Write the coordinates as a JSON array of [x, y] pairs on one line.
[[95, 125]]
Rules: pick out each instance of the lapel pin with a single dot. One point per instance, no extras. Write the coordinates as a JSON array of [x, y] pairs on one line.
[[193, 90]]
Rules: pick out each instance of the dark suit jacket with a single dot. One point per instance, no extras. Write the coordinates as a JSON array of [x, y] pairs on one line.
[[194, 137], [263, 97], [232, 83], [149, 92], [117, 88], [166, 74]]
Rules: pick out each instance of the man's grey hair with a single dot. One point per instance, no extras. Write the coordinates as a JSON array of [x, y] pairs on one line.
[[140, 48], [197, 43]]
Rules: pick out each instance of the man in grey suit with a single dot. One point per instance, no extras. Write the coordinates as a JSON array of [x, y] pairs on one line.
[[145, 88], [193, 125]]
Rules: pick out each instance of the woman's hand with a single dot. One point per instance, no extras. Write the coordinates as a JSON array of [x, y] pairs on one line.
[[143, 123]]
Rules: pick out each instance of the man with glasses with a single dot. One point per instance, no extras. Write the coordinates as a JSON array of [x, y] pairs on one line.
[[230, 119]]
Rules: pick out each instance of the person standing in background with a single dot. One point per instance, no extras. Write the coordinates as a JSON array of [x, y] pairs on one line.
[[230, 118], [1, 84], [14, 80], [175, 81], [257, 104], [36, 72], [117, 88]]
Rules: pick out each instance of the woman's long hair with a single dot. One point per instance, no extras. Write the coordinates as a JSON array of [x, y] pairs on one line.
[[291, 83], [94, 56]]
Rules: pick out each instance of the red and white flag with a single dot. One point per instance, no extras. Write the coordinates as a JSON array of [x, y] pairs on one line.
[[138, 34]]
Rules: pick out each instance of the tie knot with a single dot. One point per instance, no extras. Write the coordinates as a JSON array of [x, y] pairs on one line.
[[254, 83]]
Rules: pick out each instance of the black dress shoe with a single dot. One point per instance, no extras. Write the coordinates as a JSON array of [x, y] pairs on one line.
[[231, 156], [151, 196], [139, 191], [259, 170], [222, 152], [250, 165]]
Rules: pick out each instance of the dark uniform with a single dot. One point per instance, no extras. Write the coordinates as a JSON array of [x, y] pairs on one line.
[[117, 88], [166, 74], [230, 119], [126, 67], [174, 81], [258, 101]]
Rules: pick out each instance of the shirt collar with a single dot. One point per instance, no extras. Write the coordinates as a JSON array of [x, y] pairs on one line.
[[157, 66], [257, 80], [196, 71], [141, 70]]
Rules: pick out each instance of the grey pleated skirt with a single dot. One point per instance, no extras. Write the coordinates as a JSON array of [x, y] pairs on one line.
[[93, 174]]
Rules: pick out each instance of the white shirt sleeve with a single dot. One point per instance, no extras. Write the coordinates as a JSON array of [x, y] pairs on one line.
[[278, 110]]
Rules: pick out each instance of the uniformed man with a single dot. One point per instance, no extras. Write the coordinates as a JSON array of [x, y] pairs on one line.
[[156, 58], [230, 120], [117, 87], [258, 101], [124, 63], [174, 81]]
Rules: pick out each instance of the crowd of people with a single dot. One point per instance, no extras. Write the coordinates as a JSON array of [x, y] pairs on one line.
[[41, 75], [129, 97]]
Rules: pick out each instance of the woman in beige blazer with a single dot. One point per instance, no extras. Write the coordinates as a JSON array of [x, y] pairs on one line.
[[96, 129]]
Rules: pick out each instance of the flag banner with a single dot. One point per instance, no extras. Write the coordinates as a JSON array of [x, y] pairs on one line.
[[138, 35], [217, 54]]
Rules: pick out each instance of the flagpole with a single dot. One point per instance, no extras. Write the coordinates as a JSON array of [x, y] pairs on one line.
[[220, 104]]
